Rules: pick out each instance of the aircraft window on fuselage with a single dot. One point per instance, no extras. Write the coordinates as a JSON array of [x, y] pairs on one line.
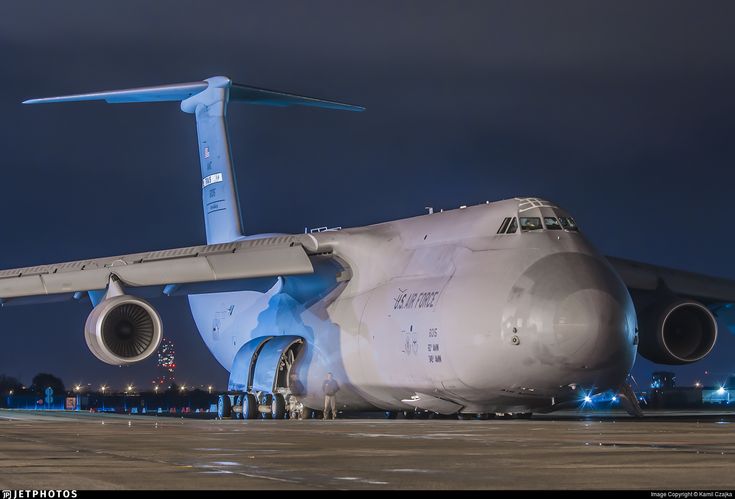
[[504, 225], [552, 223], [530, 223], [513, 226], [569, 224]]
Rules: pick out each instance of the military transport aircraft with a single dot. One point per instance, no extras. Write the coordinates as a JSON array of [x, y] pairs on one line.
[[504, 307]]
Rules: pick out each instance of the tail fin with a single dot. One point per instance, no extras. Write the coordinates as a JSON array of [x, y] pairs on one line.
[[207, 100]]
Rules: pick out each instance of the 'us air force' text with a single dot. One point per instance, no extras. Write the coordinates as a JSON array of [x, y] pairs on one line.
[[408, 301]]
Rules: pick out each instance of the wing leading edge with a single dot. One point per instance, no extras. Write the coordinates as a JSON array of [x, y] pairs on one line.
[[250, 259], [646, 277]]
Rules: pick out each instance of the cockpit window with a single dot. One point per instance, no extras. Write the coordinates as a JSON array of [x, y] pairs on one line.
[[530, 223], [552, 223], [569, 224], [504, 226], [513, 226]]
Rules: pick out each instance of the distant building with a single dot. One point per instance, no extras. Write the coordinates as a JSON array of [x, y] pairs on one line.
[[166, 365], [716, 395], [663, 380]]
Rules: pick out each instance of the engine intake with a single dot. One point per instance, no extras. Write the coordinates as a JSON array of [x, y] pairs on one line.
[[123, 330], [678, 332]]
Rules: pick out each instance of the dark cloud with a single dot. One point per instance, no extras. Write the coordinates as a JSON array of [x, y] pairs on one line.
[[620, 111]]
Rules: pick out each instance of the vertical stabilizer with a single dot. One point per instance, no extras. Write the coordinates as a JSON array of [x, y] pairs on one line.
[[219, 188]]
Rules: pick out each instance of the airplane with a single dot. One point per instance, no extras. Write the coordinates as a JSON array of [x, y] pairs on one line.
[[500, 308]]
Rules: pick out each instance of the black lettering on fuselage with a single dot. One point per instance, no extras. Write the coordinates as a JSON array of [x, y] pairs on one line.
[[410, 301]]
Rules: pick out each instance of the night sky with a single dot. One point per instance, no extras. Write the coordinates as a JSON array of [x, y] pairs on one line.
[[621, 112]]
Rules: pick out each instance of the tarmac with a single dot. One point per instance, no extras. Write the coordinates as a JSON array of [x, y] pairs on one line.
[[46, 450]]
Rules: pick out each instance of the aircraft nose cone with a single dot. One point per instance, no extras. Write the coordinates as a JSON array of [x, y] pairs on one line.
[[573, 320], [588, 326]]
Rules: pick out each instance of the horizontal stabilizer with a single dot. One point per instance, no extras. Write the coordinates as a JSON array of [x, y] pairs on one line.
[[175, 92], [182, 91]]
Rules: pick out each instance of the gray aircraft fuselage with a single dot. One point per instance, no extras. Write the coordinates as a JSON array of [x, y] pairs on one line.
[[442, 313]]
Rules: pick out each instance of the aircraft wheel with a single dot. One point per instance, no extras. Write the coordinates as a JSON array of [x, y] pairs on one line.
[[307, 413], [266, 399], [224, 406], [408, 414], [237, 414], [464, 417], [249, 406], [278, 406], [390, 414]]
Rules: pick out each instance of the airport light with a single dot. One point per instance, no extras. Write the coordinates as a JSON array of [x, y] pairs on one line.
[[587, 399], [698, 384], [155, 388], [209, 388], [182, 388], [103, 388], [11, 392], [721, 390], [77, 388], [614, 399]]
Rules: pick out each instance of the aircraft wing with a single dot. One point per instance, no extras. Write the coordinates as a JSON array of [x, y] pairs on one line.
[[163, 272], [646, 277]]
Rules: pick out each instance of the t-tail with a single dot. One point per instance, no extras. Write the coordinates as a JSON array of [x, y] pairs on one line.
[[208, 100]]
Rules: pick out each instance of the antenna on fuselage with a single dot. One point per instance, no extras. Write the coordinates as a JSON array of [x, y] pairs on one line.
[[208, 100]]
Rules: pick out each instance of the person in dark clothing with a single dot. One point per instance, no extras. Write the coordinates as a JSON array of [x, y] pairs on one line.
[[330, 387]]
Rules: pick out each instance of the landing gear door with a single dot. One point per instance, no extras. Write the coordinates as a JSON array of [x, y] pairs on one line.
[[270, 362]]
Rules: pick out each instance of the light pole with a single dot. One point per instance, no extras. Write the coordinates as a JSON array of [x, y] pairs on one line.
[[77, 399], [129, 389], [104, 389]]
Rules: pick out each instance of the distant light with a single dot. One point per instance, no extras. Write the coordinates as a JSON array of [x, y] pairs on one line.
[[614, 399], [721, 390], [587, 399], [183, 387], [698, 384], [77, 388], [11, 392]]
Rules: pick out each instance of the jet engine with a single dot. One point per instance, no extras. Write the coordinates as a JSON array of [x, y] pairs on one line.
[[676, 332], [123, 330]]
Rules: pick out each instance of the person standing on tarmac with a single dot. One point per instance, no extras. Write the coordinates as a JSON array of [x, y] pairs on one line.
[[330, 387]]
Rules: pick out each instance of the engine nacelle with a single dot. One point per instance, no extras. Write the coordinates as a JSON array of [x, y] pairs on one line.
[[677, 332], [123, 330]]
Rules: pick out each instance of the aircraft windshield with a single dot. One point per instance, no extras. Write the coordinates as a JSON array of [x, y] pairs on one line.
[[552, 223], [569, 224], [510, 225], [530, 223]]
